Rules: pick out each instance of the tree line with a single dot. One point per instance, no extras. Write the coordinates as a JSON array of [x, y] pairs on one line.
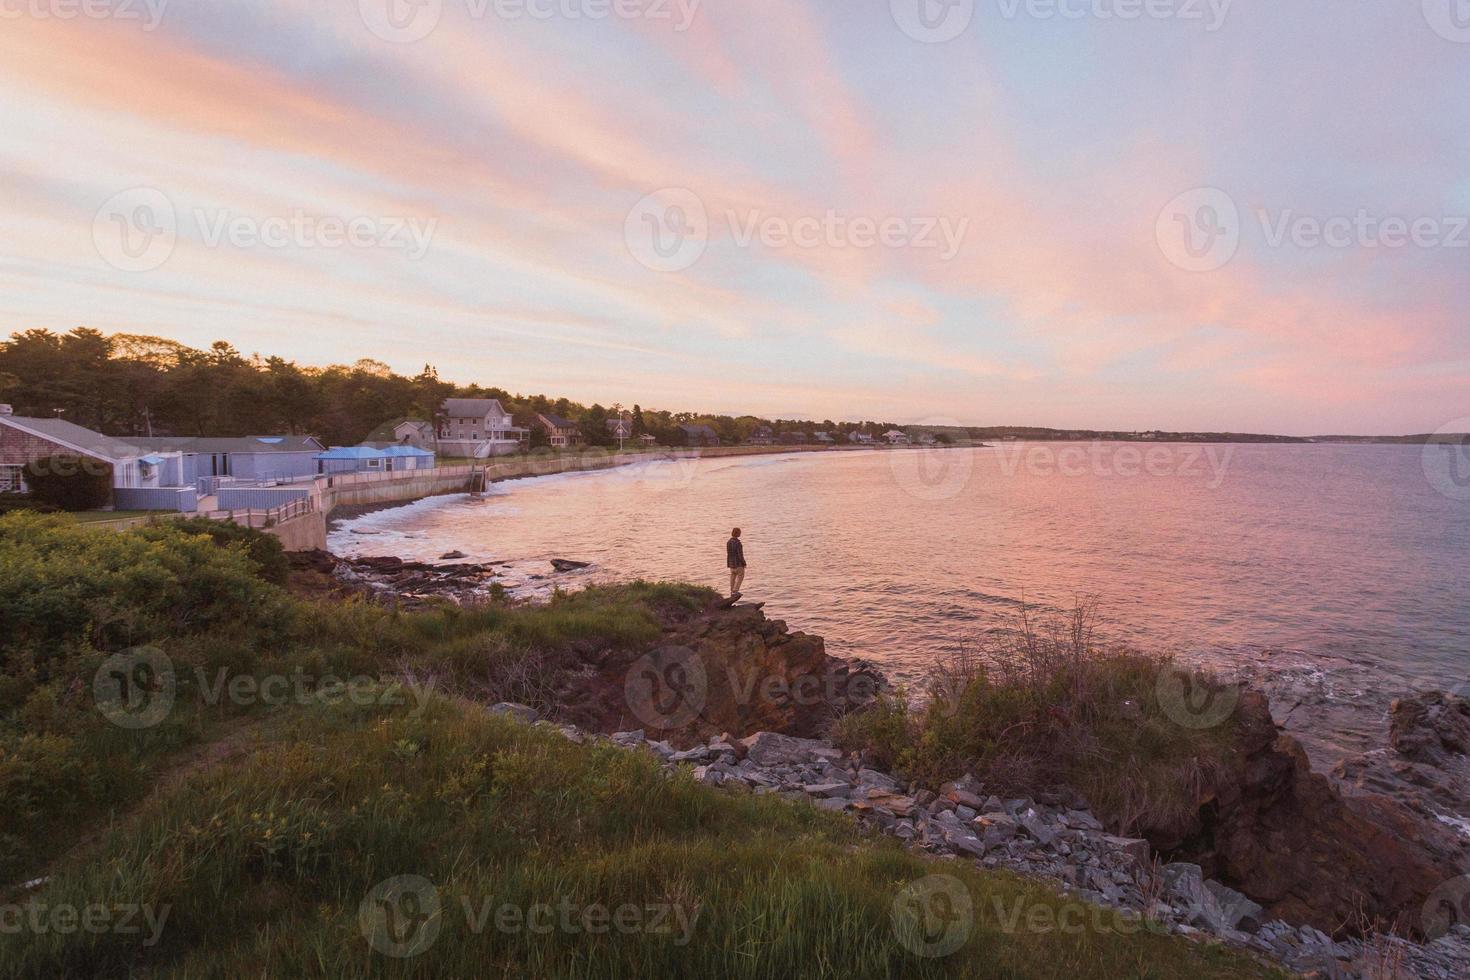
[[130, 384]]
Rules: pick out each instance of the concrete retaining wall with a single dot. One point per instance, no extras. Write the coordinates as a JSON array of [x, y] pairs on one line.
[[307, 532]]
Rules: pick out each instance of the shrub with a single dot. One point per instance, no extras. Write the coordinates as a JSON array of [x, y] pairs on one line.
[[1046, 705], [71, 483], [263, 550]]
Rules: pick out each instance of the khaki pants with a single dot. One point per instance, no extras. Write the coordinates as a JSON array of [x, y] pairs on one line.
[[737, 576]]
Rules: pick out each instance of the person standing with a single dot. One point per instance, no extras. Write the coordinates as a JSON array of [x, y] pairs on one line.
[[735, 558]]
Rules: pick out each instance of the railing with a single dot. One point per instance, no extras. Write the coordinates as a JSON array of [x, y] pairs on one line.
[[264, 518]]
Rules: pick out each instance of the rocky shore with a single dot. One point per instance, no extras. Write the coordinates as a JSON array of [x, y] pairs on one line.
[[1055, 838], [1311, 871]]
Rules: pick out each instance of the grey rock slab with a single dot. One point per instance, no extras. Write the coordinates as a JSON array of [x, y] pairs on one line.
[[519, 712]]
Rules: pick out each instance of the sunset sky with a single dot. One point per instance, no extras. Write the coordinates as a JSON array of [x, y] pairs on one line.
[[787, 207]]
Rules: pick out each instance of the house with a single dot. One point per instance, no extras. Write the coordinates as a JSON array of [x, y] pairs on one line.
[[794, 439], [896, 437], [373, 459], [860, 438], [825, 438], [926, 439], [261, 459], [648, 439], [414, 432], [619, 428], [699, 435], [478, 427], [142, 479], [559, 431], [762, 436]]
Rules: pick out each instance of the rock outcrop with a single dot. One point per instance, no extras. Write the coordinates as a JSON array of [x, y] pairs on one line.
[[1269, 826], [722, 669]]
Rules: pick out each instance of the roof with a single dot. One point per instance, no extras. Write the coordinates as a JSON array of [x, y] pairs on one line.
[[556, 421], [79, 438], [372, 452], [472, 408], [701, 429], [230, 444]]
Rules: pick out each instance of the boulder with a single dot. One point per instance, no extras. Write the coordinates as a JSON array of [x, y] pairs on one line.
[[828, 790], [568, 565], [1431, 728], [775, 749], [519, 712]]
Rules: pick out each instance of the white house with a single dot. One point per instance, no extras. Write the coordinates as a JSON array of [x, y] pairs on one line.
[[478, 427], [859, 438], [896, 437]]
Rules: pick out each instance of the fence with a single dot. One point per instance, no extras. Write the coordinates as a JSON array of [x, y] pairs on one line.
[[263, 517], [260, 498], [180, 499]]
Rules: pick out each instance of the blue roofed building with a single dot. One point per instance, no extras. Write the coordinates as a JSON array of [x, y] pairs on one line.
[[373, 459]]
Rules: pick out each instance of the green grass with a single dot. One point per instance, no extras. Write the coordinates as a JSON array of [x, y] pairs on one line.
[[264, 866], [103, 516], [1046, 705]]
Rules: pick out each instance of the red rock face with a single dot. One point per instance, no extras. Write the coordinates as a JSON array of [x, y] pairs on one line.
[[717, 671], [1281, 834]]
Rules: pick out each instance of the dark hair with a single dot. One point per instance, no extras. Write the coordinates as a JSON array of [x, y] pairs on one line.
[[735, 532]]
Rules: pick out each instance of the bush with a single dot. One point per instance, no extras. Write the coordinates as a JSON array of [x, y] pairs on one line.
[[263, 550], [1043, 706], [71, 483]]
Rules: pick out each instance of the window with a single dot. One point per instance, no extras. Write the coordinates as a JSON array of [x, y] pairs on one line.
[[375, 463], [10, 479]]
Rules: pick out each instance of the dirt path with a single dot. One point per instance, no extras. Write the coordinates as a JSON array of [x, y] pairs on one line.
[[230, 740]]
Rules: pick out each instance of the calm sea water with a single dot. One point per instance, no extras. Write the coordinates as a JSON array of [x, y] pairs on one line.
[[1352, 558]]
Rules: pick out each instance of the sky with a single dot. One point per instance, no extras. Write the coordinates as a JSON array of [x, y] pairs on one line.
[[1129, 214]]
